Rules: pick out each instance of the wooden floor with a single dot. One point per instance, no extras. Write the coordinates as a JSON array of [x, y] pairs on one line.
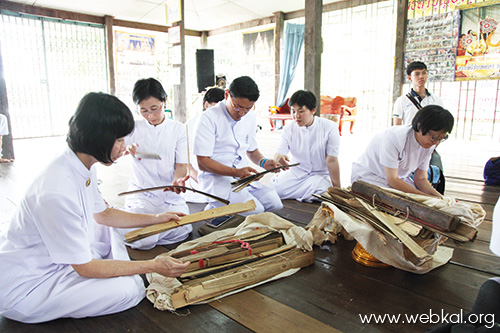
[[331, 295]]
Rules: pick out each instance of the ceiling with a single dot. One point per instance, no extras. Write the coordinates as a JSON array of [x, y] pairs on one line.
[[199, 14]]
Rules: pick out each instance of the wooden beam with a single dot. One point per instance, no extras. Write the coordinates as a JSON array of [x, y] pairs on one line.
[[108, 27], [180, 105], [49, 12], [399, 66], [204, 39], [6, 140], [313, 47], [278, 31], [241, 26], [152, 27]]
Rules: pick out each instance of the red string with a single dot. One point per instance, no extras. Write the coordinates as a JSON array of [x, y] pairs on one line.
[[244, 245], [201, 262]]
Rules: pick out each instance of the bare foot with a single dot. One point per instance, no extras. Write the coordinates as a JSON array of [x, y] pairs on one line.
[[6, 160]]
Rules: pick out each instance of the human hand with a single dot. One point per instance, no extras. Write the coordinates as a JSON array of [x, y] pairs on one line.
[[271, 164], [245, 172], [178, 182], [283, 160], [169, 267], [131, 149], [169, 216]]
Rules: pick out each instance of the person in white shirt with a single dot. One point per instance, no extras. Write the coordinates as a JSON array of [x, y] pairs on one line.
[[404, 108], [4, 130], [226, 136], [211, 98], [394, 154], [61, 256], [156, 134], [314, 143]]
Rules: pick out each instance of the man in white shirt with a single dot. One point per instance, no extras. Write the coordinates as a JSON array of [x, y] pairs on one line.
[[226, 136], [404, 108]]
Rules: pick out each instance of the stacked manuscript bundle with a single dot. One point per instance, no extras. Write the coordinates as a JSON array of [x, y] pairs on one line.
[[228, 263]]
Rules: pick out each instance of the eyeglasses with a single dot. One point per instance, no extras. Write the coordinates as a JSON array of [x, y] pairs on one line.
[[152, 110], [434, 139], [238, 108]]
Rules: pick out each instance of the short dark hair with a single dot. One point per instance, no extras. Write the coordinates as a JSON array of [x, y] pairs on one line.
[[415, 65], [433, 117], [244, 87], [146, 88], [99, 120], [213, 95], [303, 97]]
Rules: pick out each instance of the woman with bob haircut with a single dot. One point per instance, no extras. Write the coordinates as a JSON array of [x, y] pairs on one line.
[[61, 256], [394, 154], [314, 143], [166, 138]]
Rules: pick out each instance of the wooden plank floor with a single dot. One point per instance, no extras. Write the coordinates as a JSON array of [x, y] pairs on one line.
[[330, 295]]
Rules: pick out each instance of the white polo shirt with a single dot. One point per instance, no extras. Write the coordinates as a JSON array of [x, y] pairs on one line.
[[225, 141], [405, 109], [396, 148], [310, 145], [53, 227], [168, 140]]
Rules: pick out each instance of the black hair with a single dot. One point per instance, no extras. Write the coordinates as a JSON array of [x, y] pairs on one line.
[[146, 88], [303, 97], [213, 95], [433, 117], [99, 120], [415, 65], [244, 87]]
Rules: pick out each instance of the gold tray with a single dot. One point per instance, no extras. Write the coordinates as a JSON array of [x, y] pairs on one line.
[[363, 257]]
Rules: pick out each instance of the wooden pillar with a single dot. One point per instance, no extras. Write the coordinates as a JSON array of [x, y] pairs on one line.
[[7, 146], [278, 31], [108, 27], [180, 111], [204, 39], [399, 65], [313, 48]]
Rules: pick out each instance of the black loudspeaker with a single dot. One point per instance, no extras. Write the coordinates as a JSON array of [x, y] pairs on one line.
[[205, 69]]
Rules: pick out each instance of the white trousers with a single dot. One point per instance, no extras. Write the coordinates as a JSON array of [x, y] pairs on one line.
[[141, 204], [68, 295], [290, 186]]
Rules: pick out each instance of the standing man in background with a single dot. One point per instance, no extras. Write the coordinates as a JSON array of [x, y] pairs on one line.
[[406, 106]]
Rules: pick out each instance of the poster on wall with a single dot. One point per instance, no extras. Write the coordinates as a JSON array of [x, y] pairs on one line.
[[258, 45], [478, 50], [434, 40], [135, 58]]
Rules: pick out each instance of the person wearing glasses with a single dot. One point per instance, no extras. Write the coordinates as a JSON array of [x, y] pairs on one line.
[[159, 148], [62, 255], [225, 138], [397, 152], [314, 143]]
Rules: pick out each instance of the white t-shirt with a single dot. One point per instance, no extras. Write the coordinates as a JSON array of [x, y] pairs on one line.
[[53, 227], [225, 141], [405, 109], [4, 127], [310, 145], [168, 140], [396, 148]]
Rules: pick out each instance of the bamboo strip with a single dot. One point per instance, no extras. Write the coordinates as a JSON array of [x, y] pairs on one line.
[[388, 220], [135, 235]]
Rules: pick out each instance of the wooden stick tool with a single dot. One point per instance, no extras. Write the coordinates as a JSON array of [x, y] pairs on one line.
[[236, 208]]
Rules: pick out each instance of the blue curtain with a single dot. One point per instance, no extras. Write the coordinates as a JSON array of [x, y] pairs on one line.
[[294, 39]]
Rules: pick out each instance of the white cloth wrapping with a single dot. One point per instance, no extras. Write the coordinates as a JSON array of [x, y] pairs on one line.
[[161, 288], [386, 249]]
